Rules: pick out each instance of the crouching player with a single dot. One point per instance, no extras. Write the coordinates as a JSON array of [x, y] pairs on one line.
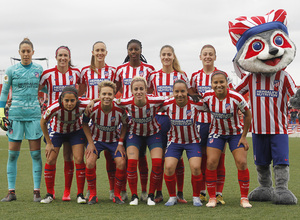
[[183, 135], [65, 126], [104, 134]]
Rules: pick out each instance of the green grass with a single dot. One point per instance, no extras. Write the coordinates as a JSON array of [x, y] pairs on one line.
[[24, 208]]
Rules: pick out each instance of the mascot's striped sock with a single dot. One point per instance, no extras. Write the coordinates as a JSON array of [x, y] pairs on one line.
[[180, 175], [49, 174], [196, 184], [171, 184], [202, 183], [244, 179], [221, 174], [110, 169], [143, 168], [36, 168], [155, 174], [132, 175], [119, 181], [91, 181], [80, 177], [12, 168], [69, 172], [211, 179]]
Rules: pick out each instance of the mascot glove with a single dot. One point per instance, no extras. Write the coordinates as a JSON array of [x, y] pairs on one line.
[[3, 120]]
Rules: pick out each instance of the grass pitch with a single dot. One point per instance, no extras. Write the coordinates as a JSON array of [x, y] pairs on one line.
[[25, 208]]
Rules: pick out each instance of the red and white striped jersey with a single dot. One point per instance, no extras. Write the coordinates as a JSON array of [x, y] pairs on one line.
[[183, 121], [202, 83], [269, 101], [125, 73], [63, 121], [162, 83], [57, 81], [92, 79], [225, 113], [105, 126], [143, 121]]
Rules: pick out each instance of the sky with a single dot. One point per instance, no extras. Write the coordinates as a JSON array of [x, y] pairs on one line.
[[186, 25]]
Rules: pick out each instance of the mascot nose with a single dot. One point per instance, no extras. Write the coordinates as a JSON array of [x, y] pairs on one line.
[[273, 51]]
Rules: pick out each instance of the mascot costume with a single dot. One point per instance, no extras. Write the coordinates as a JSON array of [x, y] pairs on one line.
[[264, 49]]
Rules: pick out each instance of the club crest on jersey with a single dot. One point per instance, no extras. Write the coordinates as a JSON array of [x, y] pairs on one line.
[[276, 83], [189, 113], [113, 119], [36, 74], [227, 106], [71, 78], [175, 78], [106, 73], [148, 111], [141, 73]]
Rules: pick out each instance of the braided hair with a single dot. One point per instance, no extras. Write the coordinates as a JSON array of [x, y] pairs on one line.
[[142, 58]]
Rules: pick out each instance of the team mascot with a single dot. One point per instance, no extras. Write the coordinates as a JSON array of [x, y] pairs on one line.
[[264, 49]]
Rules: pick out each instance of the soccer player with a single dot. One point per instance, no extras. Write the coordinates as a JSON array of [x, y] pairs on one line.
[[201, 82], [224, 104], [135, 64], [144, 129], [66, 119], [161, 83], [24, 117], [90, 77], [183, 135], [56, 79], [104, 134]]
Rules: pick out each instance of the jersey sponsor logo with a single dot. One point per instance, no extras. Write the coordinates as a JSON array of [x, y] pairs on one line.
[[218, 115], [27, 85], [60, 88], [227, 106], [95, 82], [141, 73], [189, 113], [276, 83], [203, 89], [267, 93], [165, 88], [142, 120], [127, 81], [181, 122], [36, 74], [106, 128]]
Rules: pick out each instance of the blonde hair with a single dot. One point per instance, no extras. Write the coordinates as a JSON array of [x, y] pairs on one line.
[[138, 79], [92, 66], [107, 83], [175, 64]]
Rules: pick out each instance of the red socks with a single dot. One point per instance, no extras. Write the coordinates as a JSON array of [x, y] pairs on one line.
[[119, 181], [244, 179], [155, 174], [211, 179], [80, 177], [221, 174], [180, 175], [49, 174], [171, 184], [196, 184], [110, 168], [161, 178], [132, 175], [203, 169], [91, 181], [143, 168], [69, 171]]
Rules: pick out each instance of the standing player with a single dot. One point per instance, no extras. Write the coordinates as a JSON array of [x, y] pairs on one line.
[[226, 127], [201, 82], [161, 83], [104, 134], [90, 77], [56, 79], [135, 64], [66, 114], [183, 135], [144, 129], [24, 117]]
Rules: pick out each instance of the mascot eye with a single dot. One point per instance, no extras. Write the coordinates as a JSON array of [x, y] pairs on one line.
[[257, 46], [278, 40]]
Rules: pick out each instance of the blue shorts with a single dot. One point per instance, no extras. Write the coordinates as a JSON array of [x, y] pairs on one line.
[[74, 138], [152, 141], [31, 129], [165, 124], [111, 147], [203, 129], [175, 150], [218, 141], [268, 147]]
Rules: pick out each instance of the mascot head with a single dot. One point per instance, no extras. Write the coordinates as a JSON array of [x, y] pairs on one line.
[[262, 42]]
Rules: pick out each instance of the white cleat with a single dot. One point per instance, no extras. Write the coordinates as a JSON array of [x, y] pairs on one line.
[[48, 199], [81, 199], [212, 202], [245, 203], [172, 201], [196, 201], [134, 200], [150, 200], [111, 194]]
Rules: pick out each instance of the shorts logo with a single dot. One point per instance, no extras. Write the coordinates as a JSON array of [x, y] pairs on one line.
[[130, 136], [141, 73], [113, 119], [189, 113], [11, 131], [211, 140], [36, 74], [227, 106], [71, 78], [276, 83]]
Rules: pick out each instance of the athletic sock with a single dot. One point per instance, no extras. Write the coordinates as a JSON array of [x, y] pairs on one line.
[[69, 171], [161, 177], [202, 183], [36, 168], [155, 174], [244, 179], [171, 184], [180, 175], [196, 184], [49, 174], [110, 168], [91, 181], [132, 175], [80, 177], [221, 174], [12, 168], [143, 168], [211, 179], [119, 181]]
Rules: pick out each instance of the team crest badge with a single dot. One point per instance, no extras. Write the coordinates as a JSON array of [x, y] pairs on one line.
[[130, 136], [106, 74], [113, 119], [276, 83], [141, 73], [189, 113], [175, 78], [148, 111], [5, 79], [71, 78], [227, 106], [36, 74], [211, 140]]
